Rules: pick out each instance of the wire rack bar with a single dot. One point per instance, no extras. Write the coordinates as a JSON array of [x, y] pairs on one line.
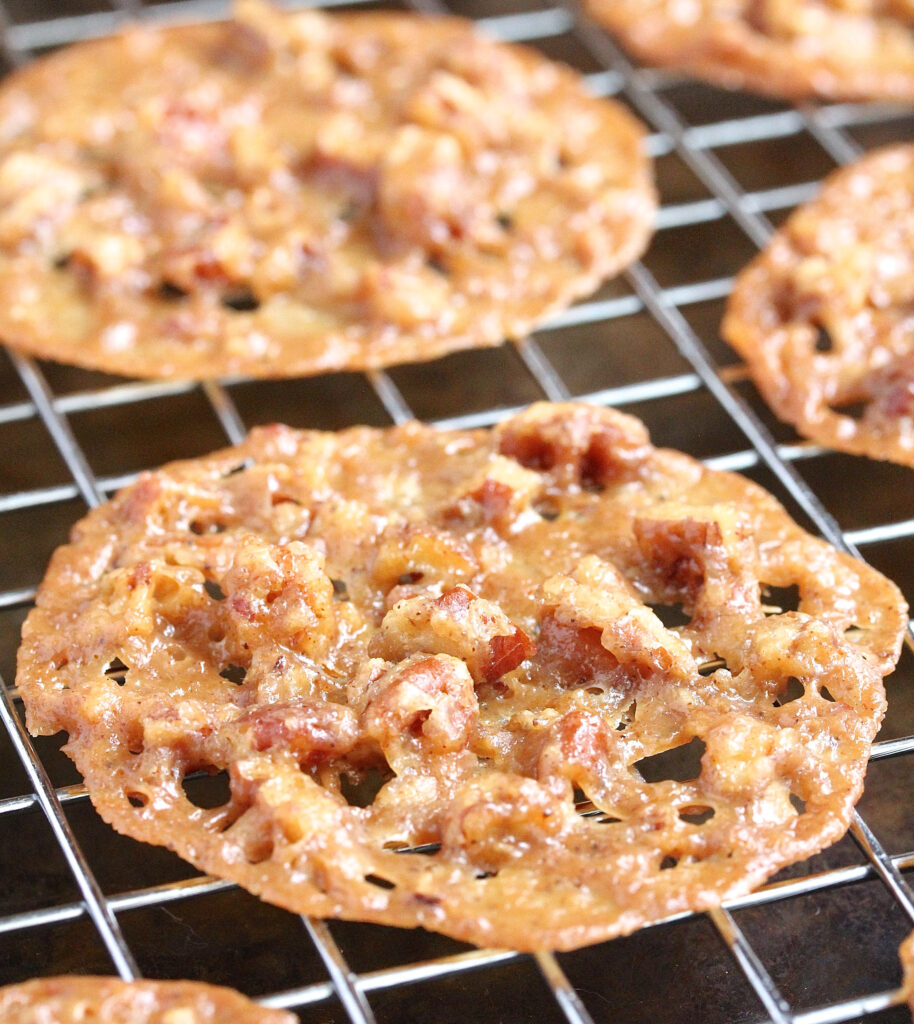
[[851, 1009], [59, 428], [526, 26], [226, 411], [695, 146], [883, 865], [411, 974], [391, 397], [775, 1005], [345, 981], [96, 905], [712, 173], [569, 1001], [748, 422], [542, 371]]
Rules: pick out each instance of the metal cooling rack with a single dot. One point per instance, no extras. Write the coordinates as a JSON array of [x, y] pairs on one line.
[[814, 946]]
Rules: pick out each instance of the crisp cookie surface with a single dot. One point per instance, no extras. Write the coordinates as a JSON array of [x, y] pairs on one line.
[[288, 194], [823, 315], [831, 49], [71, 999], [906, 954], [446, 643]]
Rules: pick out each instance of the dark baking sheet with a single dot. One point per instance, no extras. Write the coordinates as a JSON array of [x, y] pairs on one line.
[[817, 945]]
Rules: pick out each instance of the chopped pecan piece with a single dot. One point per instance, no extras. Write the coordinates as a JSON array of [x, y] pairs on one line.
[[457, 623], [596, 605]]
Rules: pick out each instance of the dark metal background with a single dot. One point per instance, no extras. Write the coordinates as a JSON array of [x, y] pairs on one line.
[[816, 945]]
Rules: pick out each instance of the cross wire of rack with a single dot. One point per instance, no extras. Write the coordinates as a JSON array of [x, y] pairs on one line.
[[814, 946]]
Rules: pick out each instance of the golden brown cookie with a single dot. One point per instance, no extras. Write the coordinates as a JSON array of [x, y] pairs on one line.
[[906, 953], [823, 315], [831, 49], [410, 655], [71, 999], [287, 194]]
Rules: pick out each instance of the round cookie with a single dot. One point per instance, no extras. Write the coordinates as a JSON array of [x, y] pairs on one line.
[[822, 316], [71, 999], [432, 674], [293, 193], [795, 49]]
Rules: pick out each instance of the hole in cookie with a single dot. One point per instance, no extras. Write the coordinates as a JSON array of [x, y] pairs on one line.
[[433, 263], [136, 799], [361, 791], [427, 898], [583, 805], [481, 876], [547, 508], [799, 804], [593, 471], [668, 862], [117, 671], [417, 722], [505, 221], [240, 468], [260, 852], [381, 883], [696, 815], [531, 451], [62, 261], [340, 590], [170, 292], [680, 764], [205, 790], [214, 590], [794, 690], [853, 410], [404, 579], [234, 674], [242, 300], [671, 615], [780, 599], [627, 716], [279, 498], [426, 849], [824, 341], [707, 668], [825, 694], [199, 527], [608, 819]]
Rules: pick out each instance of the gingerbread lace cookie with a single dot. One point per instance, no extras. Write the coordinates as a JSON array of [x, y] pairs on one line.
[[287, 194], [831, 49], [431, 675], [822, 316], [70, 999]]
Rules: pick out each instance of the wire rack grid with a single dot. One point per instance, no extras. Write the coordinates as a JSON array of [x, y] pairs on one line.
[[814, 946]]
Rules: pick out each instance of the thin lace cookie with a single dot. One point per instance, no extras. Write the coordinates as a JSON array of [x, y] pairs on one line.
[[822, 316], [72, 999], [418, 677], [292, 193], [791, 49], [906, 955]]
